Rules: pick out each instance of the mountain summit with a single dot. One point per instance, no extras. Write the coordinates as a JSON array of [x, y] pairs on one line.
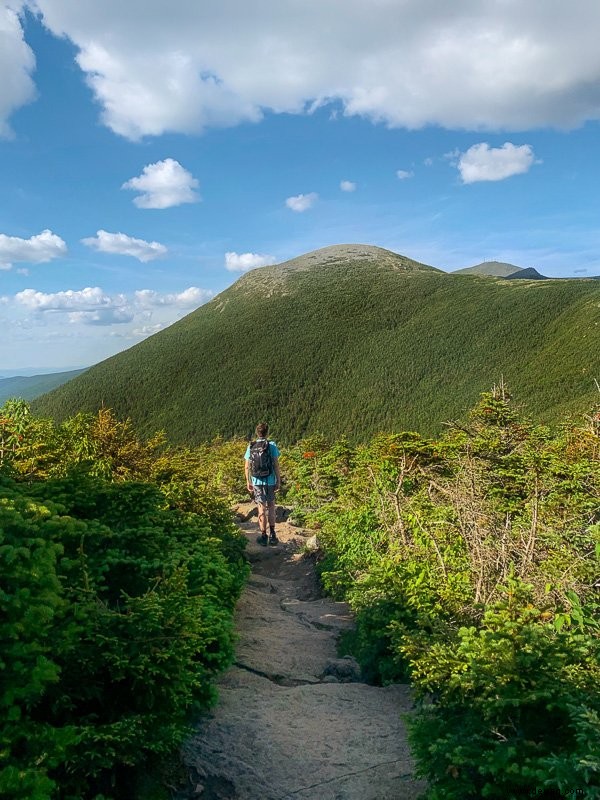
[[350, 339], [494, 269]]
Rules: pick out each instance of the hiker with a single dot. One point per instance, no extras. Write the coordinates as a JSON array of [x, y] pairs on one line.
[[263, 479]]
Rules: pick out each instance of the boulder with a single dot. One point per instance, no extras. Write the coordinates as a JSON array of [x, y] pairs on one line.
[[345, 670]]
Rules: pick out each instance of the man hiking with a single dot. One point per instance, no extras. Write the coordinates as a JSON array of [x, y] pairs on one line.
[[263, 479]]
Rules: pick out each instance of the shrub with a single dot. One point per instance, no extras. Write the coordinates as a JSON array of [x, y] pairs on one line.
[[516, 706], [119, 615]]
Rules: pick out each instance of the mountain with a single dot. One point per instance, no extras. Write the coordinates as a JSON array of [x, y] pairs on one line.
[[351, 340], [529, 274], [32, 386], [496, 269]]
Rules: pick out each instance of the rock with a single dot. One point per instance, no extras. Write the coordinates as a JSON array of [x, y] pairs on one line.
[[244, 511], [312, 544], [345, 670], [293, 721], [281, 513]]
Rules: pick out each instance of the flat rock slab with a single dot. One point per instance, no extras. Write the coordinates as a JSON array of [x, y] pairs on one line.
[[284, 728]]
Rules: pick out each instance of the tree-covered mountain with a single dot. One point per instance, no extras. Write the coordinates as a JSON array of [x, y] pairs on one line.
[[31, 386], [351, 340], [494, 269], [529, 274]]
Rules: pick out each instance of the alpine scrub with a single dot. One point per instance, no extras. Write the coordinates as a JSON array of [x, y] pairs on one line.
[[115, 612], [472, 562]]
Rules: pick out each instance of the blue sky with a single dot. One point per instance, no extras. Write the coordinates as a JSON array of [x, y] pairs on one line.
[[150, 151]]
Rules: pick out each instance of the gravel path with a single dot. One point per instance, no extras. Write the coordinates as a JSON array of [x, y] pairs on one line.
[[293, 721]]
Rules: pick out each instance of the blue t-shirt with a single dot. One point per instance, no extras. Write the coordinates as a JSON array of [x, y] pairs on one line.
[[271, 479]]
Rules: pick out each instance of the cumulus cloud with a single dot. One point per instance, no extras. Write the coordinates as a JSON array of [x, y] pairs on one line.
[[242, 262], [102, 316], [90, 306], [163, 185], [17, 63], [347, 186], [147, 330], [121, 244], [189, 298], [93, 306], [83, 299], [404, 174], [36, 250], [302, 202], [484, 163], [401, 62]]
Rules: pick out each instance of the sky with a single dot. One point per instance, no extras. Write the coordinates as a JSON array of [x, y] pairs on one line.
[[151, 152]]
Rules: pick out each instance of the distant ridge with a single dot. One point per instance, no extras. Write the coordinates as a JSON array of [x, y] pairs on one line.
[[529, 274], [350, 340], [495, 269], [31, 386]]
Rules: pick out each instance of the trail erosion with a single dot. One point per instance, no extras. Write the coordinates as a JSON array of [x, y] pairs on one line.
[[294, 722]]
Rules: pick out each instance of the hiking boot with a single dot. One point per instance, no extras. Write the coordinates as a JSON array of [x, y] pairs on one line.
[[273, 538], [263, 539]]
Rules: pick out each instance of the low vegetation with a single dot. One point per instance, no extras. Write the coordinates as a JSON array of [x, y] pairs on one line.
[[120, 571], [473, 564], [472, 561]]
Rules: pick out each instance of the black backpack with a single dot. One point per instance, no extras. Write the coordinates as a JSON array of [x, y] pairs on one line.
[[261, 462]]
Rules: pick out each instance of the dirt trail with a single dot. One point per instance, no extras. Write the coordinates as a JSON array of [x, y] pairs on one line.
[[294, 722]]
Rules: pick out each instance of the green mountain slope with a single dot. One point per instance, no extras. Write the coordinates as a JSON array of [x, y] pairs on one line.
[[496, 269], [351, 340], [32, 386], [529, 274]]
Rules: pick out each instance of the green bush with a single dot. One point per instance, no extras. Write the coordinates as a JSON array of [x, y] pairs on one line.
[[516, 708], [424, 539], [118, 616]]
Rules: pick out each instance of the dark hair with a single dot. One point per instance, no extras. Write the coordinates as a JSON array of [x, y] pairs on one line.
[[262, 429]]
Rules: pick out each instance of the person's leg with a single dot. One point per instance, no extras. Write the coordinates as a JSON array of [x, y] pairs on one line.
[[263, 515], [271, 515], [261, 503]]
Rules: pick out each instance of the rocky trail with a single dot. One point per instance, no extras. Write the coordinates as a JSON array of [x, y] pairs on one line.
[[294, 722]]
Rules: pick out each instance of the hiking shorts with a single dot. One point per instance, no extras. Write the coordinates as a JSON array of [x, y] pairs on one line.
[[264, 494]]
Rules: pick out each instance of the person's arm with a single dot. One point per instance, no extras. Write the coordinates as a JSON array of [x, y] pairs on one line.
[[247, 474], [277, 474]]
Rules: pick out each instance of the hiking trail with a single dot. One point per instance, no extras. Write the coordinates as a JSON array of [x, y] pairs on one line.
[[293, 721]]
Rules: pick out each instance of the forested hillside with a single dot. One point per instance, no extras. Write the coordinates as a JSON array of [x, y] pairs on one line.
[[28, 387], [351, 340]]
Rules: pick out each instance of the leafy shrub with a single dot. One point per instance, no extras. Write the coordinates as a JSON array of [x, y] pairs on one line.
[[516, 709], [119, 615], [424, 539]]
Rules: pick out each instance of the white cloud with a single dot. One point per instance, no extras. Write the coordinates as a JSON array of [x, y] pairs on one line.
[[189, 298], [484, 163], [17, 63], [302, 202], [242, 262], [407, 63], [102, 316], [404, 174], [36, 250], [347, 186], [90, 306], [93, 306], [147, 330], [83, 299], [163, 185], [121, 244]]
